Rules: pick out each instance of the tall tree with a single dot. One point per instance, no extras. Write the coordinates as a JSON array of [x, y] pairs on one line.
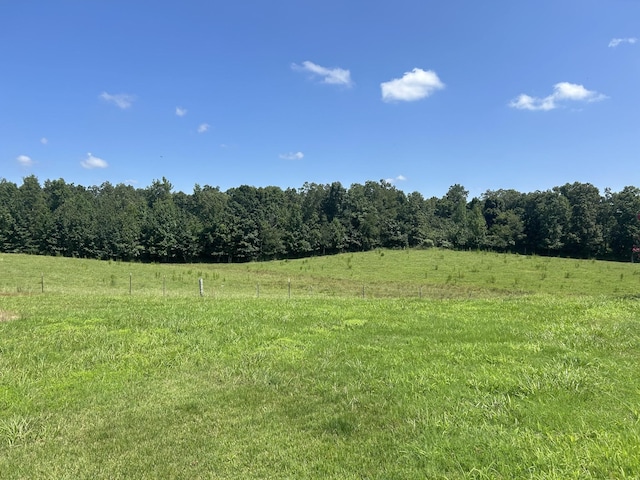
[[8, 197], [414, 215], [120, 213], [170, 232], [452, 212], [584, 235], [242, 224], [31, 217], [72, 231], [477, 225], [208, 205], [503, 212], [624, 233], [546, 221]]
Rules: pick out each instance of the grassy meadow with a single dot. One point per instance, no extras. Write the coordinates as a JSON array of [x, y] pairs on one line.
[[383, 274], [387, 364]]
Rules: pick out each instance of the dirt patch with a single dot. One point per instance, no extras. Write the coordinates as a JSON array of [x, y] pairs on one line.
[[8, 316]]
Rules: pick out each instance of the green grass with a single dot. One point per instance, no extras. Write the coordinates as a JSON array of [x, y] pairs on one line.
[[383, 274], [475, 379]]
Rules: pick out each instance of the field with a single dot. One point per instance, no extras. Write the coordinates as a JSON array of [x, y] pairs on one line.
[[387, 364]]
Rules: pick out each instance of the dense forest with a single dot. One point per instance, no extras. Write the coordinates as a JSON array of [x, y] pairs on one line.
[[247, 223]]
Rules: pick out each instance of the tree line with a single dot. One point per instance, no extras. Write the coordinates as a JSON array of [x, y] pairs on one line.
[[156, 224]]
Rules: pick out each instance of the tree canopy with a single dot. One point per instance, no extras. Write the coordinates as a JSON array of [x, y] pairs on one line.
[[249, 223]]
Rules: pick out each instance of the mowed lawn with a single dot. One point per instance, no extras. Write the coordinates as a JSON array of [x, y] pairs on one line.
[[460, 381]]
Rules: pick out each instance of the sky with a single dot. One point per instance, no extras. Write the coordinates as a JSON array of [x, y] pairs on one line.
[[424, 94]]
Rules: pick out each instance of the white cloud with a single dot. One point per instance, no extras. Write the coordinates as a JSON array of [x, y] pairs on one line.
[[332, 76], [561, 91], [414, 85], [181, 112], [93, 162], [24, 160], [572, 91], [526, 102], [203, 127], [399, 178], [121, 100], [292, 156], [617, 41], [44, 140]]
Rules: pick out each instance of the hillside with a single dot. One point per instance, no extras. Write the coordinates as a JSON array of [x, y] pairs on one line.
[[433, 273]]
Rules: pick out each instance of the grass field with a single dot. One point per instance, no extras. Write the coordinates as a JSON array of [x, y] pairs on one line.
[[453, 365], [383, 274]]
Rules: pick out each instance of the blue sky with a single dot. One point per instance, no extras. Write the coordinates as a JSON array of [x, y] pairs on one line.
[[502, 94]]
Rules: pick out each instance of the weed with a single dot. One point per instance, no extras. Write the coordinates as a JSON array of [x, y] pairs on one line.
[[14, 430]]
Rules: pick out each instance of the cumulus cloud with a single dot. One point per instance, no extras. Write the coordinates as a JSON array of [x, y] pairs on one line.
[[414, 85], [181, 112], [617, 41], [203, 127], [563, 91], [120, 100], [292, 156], [44, 140], [332, 76], [399, 178], [24, 160], [93, 162]]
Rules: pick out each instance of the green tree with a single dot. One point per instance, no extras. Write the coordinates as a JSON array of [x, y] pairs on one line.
[[72, 231], [241, 231], [476, 224], [584, 236], [8, 197], [31, 218], [504, 212], [624, 232], [170, 234], [120, 215], [415, 216], [208, 205], [546, 221], [452, 213]]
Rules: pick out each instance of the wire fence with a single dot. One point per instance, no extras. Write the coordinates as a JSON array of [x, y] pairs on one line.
[[256, 286]]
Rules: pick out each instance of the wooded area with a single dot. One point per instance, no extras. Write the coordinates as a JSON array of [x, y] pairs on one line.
[[247, 223]]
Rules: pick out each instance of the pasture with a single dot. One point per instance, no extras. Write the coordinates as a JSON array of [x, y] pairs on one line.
[[387, 364]]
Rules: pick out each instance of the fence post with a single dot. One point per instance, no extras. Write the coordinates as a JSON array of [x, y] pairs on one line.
[[201, 284]]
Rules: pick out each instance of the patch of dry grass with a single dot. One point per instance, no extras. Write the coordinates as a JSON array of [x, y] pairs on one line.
[[8, 316]]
